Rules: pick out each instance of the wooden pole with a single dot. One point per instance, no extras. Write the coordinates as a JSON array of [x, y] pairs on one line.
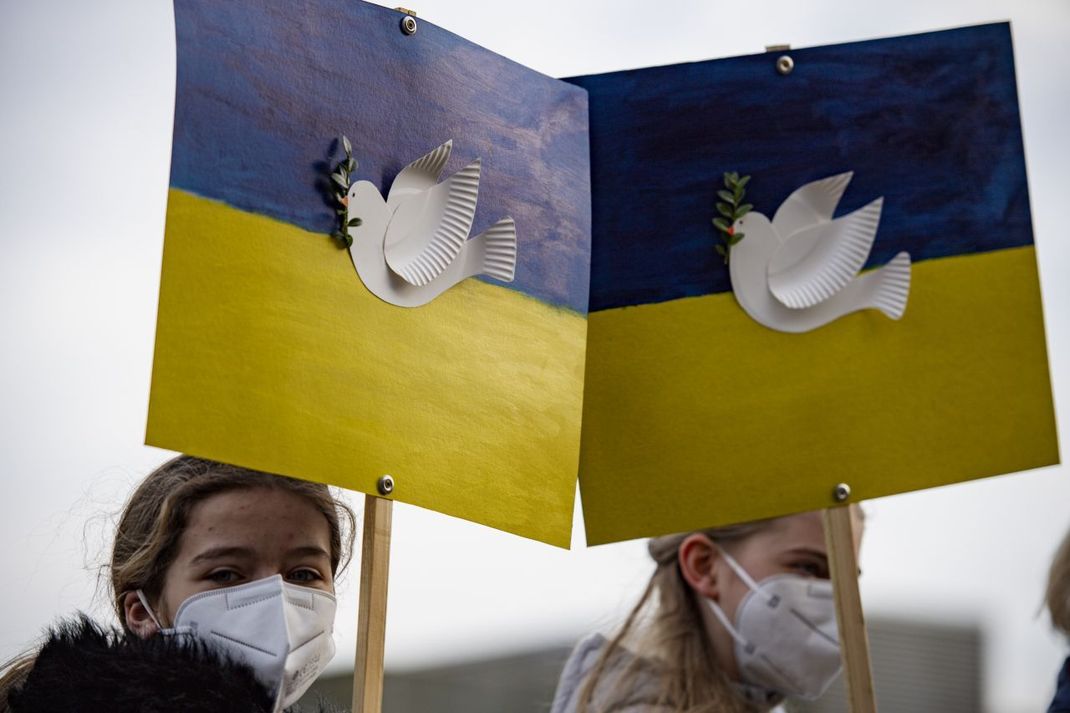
[[371, 617], [854, 642]]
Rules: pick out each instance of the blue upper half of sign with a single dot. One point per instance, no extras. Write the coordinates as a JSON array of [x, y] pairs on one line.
[[930, 122], [265, 89]]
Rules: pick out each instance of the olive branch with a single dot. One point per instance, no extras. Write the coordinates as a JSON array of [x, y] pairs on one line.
[[341, 178], [732, 208]]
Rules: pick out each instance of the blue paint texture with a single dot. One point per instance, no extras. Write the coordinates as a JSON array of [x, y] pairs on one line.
[[928, 121], [265, 89]]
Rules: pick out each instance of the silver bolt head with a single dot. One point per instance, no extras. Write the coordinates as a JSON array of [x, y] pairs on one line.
[[385, 485], [408, 25], [785, 64], [841, 492]]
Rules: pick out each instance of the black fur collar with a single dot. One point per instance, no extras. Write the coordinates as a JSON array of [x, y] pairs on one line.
[[84, 668]]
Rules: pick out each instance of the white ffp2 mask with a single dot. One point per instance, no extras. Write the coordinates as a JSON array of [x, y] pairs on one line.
[[786, 637], [280, 630]]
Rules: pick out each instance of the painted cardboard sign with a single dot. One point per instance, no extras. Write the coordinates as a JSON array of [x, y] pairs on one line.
[[272, 352], [698, 409]]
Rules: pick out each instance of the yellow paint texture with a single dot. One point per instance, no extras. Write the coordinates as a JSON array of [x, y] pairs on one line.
[[271, 354], [694, 415]]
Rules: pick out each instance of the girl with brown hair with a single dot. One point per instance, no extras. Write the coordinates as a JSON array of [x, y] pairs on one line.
[[734, 619], [222, 580]]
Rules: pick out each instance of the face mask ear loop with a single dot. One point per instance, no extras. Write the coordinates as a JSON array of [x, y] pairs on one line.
[[152, 615], [742, 574], [723, 618]]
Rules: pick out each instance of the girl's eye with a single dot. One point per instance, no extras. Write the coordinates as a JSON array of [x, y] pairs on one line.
[[223, 576], [810, 569], [305, 576]]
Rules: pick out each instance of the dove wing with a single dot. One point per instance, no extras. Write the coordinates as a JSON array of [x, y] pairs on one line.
[[419, 175], [815, 263], [429, 229], [810, 204]]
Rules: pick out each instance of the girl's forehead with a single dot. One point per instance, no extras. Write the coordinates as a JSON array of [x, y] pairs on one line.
[[804, 529], [255, 515], [252, 500]]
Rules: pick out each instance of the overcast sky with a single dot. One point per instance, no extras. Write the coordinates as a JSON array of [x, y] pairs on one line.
[[86, 99]]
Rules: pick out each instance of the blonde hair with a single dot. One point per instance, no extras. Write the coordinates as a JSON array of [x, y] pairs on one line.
[[670, 640], [1057, 596], [155, 516]]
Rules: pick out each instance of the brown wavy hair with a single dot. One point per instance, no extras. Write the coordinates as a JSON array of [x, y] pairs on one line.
[[155, 516]]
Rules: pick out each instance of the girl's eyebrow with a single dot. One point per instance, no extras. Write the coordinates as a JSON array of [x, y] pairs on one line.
[[313, 550], [223, 552], [809, 551], [215, 553], [814, 553]]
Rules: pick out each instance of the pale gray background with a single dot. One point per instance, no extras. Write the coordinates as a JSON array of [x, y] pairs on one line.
[[86, 97]]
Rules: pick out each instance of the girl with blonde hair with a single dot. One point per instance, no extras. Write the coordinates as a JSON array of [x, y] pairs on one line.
[[222, 581], [1058, 601], [733, 620]]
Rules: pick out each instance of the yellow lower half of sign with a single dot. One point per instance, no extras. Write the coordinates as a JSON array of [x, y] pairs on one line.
[[271, 354], [694, 415]]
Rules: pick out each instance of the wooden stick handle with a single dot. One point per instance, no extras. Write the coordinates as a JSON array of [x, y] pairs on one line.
[[854, 643], [371, 616]]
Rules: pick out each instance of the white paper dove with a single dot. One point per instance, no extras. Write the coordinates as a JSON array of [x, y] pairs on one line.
[[414, 246], [801, 271]]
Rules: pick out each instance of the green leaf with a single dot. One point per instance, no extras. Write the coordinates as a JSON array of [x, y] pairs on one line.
[[354, 222], [721, 223], [743, 181], [339, 197], [725, 210], [351, 164], [721, 249], [735, 238], [347, 146], [349, 241], [743, 210], [726, 196], [728, 180], [340, 180]]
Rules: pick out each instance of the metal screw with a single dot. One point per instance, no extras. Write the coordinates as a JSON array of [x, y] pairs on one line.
[[841, 492], [385, 485], [785, 64], [408, 25]]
